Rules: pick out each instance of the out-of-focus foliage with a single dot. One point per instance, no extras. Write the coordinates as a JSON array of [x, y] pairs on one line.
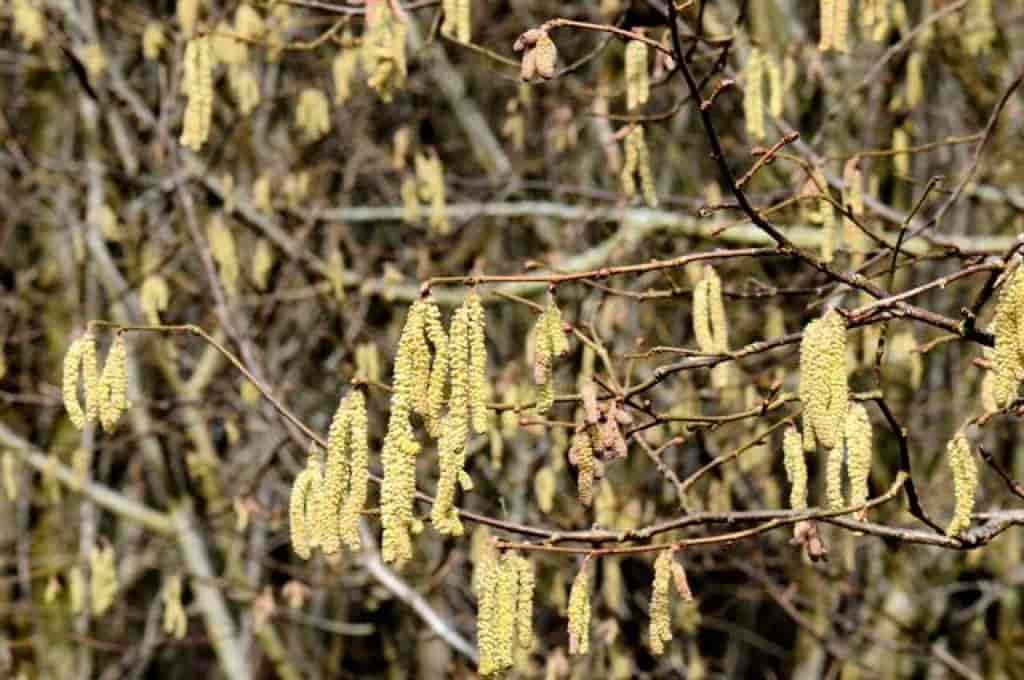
[[286, 175]]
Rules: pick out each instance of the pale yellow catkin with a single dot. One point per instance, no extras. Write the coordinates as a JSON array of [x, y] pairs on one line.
[[224, 252], [823, 386], [359, 472], [175, 622], [582, 452], [980, 33], [430, 177], [661, 625], [153, 40], [858, 438], [228, 49], [753, 94], [154, 297], [638, 83], [549, 342], [454, 429], [29, 23], [901, 156], [524, 604], [627, 174], [103, 570], [10, 474], [486, 576], [72, 368], [545, 484], [1008, 328], [312, 114], [113, 385], [915, 79], [965, 483], [298, 520], [400, 449], [579, 613], [853, 182], [826, 16], [262, 264], [197, 85], [76, 589], [508, 599], [478, 389], [245, 88], [343, 70], [776, 88], [383, 51], [188, 15], [796, 468]]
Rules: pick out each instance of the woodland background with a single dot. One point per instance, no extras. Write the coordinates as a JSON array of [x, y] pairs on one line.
[[99, 195]]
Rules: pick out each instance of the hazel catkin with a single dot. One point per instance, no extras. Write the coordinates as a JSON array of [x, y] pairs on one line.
[[579, 613], [113, 385], [796, 468], [661, 626], [298, 521], [965, 483], [823, 387], [638, 84], [858, 436], [197, 85], [753, 94]]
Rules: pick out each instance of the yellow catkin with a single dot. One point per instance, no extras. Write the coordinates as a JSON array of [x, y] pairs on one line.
[[29, 23], [524, 604], [430, 178], [827, 17], [549, 342], [245, 88], [103, 568], [454, 429], [900, 158], [346, 474], [434, 375], [113, 385], [796, 468], [359, 472], [261, 199], [449, 11], [222, 248], [457, 22], [228, 49], [153, 40], [853, 193], [336, 473], [262, 264], [298, 521], [91, 376], [629, 165], [980, 29], [312, 114], [776, 88], [486, 576], [249, 23], [823, 387], [507, 601], [343, 71], [638, 83], [661, 625], [188, 15], [915, 79], [858, 452], [154, 297], [384, 51], [336, 273], [710, 323], [9, 475], [478, 389], [175, 622], [197, 85], [579, 613], [72, 367], [582, 452], [753, 94], [546, 56], [834, 478], [1008, 328], [965, 483], [400, 447], [76, 589], [638, 163], [545, 484]]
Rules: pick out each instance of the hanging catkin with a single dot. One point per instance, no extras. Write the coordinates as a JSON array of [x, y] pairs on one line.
[[858, 452], [312, 114], [579, 613], [638, 84], [103, 571], [710, 324], [113, 385], [823, 387], [776, 88], [661, 626], [383, 50], [197, 85], [796, 468], [637, 163], [478, 389], [1008, 328], [175, 622], [222, 248], [451, 449], [834, 478], [298, 521], [549, 343], [753, 94], [965, 483]]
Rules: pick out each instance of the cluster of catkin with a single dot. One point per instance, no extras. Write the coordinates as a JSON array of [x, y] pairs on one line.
[[468, 364], [327, 499], [638, 81], [1008, 327], [666, 569], [103, 584], [710, 324], [504, 586], [105, 392], [758, 66], [637, 163], [383, 50], [549, 343], [539, 54], [824, 392], [965, 482], [425, 360], [457, 22]]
